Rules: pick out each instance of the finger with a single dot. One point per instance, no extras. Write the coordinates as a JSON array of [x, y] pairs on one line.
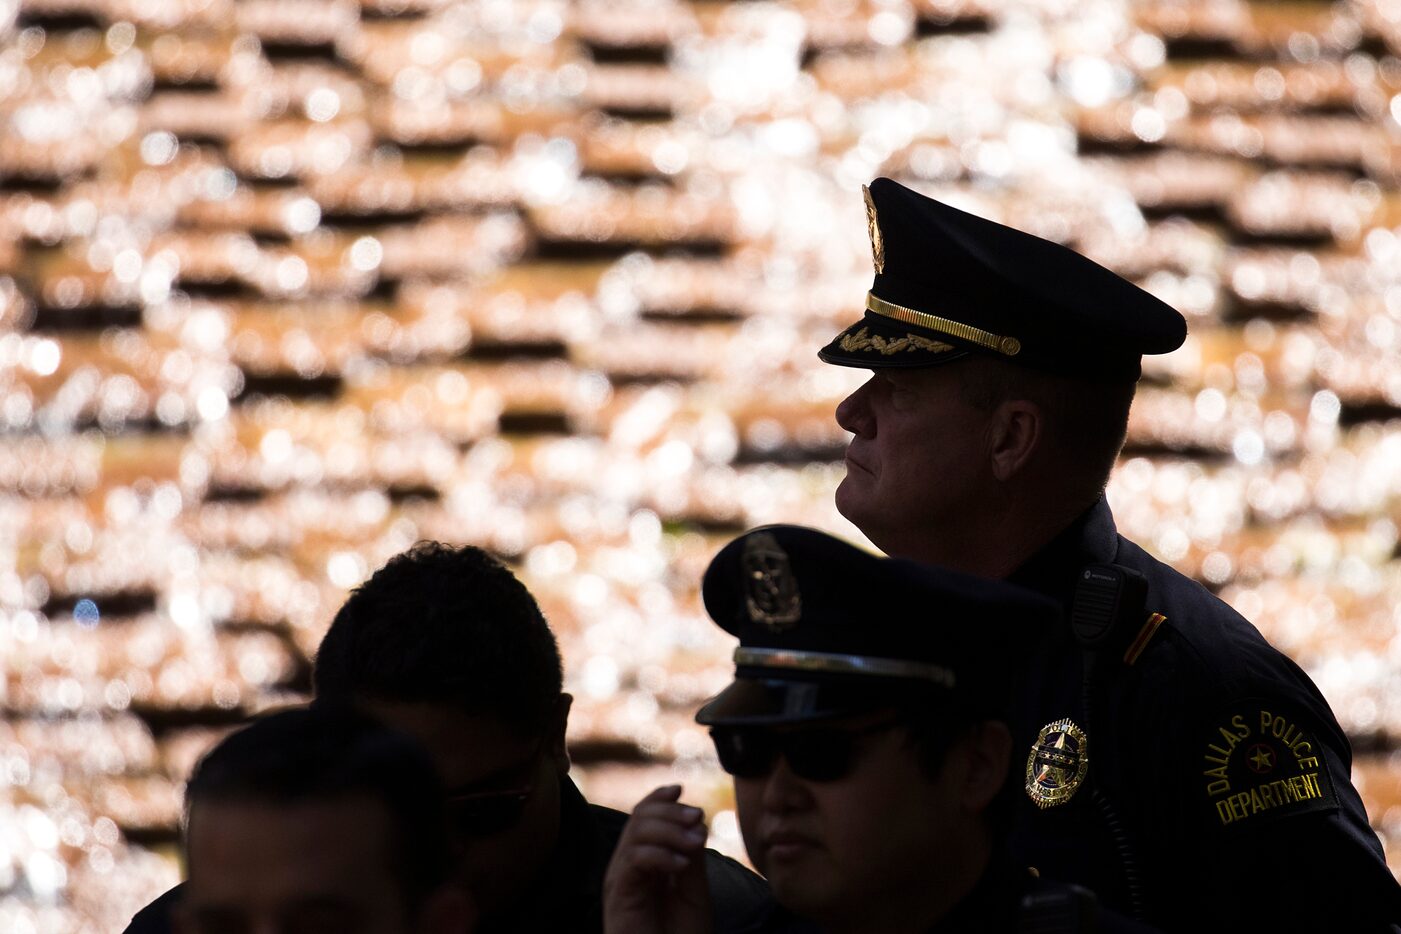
[[662, 793], [685, 839], [657, 859], [683, 814], [688, 886]]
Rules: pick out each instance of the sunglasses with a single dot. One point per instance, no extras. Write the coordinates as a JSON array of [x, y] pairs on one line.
[[489, 812], [817, 754], [484, 813]]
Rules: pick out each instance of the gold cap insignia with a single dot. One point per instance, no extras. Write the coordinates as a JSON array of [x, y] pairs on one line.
[[873, 230], [771, 590], [1058, 764], [864, 340]]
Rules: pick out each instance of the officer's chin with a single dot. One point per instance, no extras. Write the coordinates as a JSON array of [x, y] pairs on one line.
[[850, 496]]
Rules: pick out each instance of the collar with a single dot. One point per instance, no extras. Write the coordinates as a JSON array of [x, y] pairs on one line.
[[1090, 539], [581, 856], [992, 904], [567, 895]]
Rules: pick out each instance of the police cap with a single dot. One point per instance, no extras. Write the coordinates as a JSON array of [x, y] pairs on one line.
[[949, 284], [827, 630]]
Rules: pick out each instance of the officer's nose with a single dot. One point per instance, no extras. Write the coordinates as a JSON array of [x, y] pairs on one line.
[[785, 792], [854, 412]]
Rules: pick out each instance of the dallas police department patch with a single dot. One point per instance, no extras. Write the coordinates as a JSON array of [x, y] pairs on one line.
[[1259, 763], [771, 590], [1058, 764]]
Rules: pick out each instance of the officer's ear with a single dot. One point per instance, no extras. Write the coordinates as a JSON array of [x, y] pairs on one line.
[[557, 730], [1014, 431], [988, 752]]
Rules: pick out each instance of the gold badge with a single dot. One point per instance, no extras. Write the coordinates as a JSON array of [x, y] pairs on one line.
[[1059, 761], [772, 595], [873, 230]]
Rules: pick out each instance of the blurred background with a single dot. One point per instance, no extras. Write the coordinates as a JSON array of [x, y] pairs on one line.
[[287, 285]]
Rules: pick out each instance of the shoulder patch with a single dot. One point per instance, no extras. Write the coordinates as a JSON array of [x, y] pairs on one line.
[[1259, 762]]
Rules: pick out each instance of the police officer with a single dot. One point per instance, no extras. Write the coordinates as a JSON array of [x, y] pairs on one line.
[[1175, 761], [866, 732]]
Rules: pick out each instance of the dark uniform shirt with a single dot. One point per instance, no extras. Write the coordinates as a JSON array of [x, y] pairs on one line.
[[1217, 794], [568, 897], [1006, 900]]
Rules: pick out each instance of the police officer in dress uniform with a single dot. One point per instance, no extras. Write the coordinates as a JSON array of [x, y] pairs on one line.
[[1175, 762], [866, 732]]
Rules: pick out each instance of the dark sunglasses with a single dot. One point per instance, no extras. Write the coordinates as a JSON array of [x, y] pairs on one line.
[[817, 754], [483, 813], [490, 812]]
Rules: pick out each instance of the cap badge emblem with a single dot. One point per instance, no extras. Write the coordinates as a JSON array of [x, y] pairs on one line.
[[1058, 764], [771, 590], [873, 230], [864, 340]]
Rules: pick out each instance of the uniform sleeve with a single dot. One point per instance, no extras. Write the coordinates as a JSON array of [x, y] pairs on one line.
[[155, 918], [1261, 828], [1284, 836], [740, 899], [1240, 781]]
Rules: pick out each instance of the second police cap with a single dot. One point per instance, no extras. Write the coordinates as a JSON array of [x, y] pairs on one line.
[[827, 629], [949, 284]]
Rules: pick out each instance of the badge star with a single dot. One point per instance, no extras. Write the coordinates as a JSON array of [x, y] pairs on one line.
[[1050, 768], [1262, 759]]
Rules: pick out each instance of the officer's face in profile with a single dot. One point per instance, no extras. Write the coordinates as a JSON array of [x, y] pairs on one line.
[[321, 867], [915, 459], [503, 792], [883, 836]]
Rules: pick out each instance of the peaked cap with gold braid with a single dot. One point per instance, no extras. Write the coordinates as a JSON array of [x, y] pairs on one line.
[[949, 284], [826, 630]]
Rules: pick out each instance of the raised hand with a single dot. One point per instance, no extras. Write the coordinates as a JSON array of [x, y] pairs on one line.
[[656, 879]]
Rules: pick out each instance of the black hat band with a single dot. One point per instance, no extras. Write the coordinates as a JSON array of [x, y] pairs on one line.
[[831, 663], [1007, 346]]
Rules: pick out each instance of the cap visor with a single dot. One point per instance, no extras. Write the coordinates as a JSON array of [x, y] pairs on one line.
[[876, 342]]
